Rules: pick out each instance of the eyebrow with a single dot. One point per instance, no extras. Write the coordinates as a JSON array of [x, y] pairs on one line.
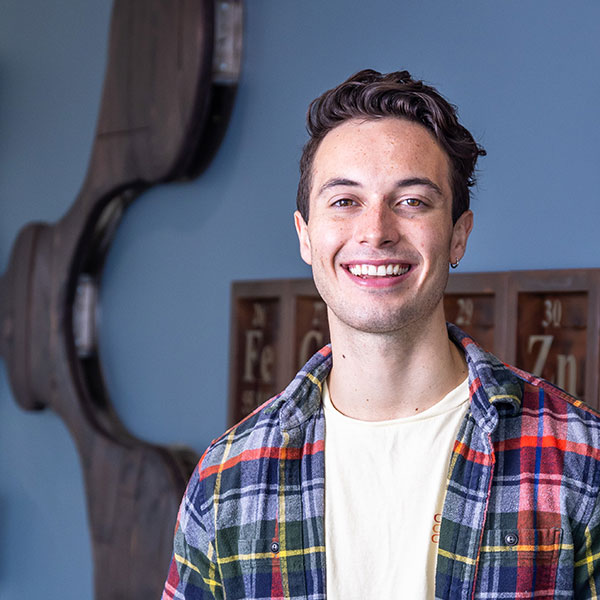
[[408, 182], [337, 181]]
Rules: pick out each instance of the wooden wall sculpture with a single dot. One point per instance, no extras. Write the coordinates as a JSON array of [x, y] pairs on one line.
[[169, 88], [546, 322]]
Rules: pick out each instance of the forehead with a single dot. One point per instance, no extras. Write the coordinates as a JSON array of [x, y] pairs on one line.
[[374, 151]]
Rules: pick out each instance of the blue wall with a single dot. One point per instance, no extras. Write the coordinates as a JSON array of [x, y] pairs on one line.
[[524, 75]]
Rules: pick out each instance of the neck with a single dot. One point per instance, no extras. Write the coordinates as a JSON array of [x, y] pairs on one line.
[[377, 377]]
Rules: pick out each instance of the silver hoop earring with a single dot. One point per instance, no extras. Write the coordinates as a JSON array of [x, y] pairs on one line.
[[455, 264]]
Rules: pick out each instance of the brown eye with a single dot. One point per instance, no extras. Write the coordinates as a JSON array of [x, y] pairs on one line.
[[414, 202], [343, 202]]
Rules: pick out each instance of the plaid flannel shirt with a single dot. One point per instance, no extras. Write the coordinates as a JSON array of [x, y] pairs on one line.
[[520, 519]]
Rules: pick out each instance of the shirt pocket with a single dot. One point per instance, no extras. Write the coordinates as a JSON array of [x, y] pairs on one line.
[[518, 561], [249, 568]]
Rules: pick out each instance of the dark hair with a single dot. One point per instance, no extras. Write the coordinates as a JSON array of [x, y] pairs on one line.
[[371, 95]]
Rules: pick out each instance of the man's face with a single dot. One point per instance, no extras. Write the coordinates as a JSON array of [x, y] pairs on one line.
[[380, 235]]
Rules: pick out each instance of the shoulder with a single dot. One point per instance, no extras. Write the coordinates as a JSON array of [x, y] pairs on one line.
[[228, 466], [529, 407], [257, 440], [560, 414], [245, 441]]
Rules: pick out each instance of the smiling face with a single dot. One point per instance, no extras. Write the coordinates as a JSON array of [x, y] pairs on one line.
[[380, 235]]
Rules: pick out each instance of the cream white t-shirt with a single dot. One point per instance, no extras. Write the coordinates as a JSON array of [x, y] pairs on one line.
[[385, 484]]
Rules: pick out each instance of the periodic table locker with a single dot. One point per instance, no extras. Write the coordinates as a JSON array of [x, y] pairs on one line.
[[546, 322]]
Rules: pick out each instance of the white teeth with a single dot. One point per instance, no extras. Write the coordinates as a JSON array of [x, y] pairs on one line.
[[378, 270]]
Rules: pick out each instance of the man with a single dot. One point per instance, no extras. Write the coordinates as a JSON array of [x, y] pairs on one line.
[[403, 461]]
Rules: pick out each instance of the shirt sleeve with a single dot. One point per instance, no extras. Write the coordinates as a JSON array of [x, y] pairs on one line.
[[587, 559], [193, 573]]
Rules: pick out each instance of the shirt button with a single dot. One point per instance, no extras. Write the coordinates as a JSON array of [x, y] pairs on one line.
[[511, 539], [275, 547]]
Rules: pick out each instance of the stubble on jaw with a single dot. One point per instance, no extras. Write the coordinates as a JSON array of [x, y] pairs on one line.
[[402, 322]]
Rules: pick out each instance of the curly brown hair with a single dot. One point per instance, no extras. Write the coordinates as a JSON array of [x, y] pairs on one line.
[[370, 95]]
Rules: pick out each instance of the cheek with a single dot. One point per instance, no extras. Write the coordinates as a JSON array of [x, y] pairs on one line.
[[433, 244], [327, 242], [432, 239]]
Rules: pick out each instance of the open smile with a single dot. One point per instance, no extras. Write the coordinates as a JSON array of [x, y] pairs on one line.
[[369, 270]]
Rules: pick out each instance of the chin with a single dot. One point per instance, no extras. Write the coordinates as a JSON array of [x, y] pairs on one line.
[[378, 324], [385, 319]]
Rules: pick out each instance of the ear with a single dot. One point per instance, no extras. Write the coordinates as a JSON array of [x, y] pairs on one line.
[[303, 238], [460, 235]]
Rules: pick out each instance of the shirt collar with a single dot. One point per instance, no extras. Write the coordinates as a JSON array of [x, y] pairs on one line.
[[302, 397], [491, 384]]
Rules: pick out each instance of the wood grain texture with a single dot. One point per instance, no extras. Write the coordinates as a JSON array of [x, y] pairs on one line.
[[162, 117]]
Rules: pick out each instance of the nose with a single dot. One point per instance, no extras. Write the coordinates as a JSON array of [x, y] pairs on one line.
[[377, 226]]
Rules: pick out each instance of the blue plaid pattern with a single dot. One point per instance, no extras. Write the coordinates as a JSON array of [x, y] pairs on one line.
[[520, 519]]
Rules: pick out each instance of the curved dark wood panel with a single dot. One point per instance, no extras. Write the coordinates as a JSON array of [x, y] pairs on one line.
[[165, 106]]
